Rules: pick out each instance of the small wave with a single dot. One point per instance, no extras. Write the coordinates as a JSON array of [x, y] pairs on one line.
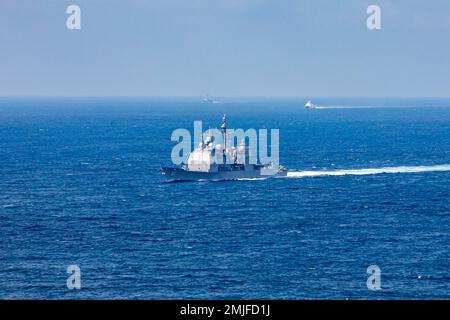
[[6, 206], [358, 172]]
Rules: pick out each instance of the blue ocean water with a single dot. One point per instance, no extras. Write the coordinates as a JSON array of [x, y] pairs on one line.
[[80, 184]]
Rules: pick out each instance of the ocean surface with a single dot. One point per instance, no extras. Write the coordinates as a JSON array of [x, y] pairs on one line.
[[80, 184]]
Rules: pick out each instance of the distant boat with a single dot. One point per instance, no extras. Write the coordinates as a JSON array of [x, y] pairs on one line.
[[207, 99], [310, 105]]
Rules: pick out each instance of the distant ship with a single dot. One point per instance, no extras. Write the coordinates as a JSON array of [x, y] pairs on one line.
[[310, 105], [235, 164], [207, 99]]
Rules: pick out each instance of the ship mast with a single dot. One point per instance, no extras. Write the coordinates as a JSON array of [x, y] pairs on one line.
[[224, 132]]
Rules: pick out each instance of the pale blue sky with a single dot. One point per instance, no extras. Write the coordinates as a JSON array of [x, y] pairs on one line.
[[226, 48]]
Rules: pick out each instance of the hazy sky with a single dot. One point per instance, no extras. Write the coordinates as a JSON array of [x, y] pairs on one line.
[[225, 47]]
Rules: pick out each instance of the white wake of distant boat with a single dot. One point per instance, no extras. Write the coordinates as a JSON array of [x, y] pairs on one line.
[[352, 107], [310, 105], [360, 172]]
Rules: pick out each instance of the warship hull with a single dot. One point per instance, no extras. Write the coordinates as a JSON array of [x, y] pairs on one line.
[[179, 174]]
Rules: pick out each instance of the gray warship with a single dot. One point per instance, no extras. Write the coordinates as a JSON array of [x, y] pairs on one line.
[[235, 164]]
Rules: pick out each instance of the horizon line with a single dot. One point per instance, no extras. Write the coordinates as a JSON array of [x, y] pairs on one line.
[[227, 96]]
